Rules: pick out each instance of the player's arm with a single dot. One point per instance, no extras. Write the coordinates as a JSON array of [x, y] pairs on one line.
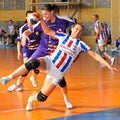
[[19, 53], [46, 29], [100, 59], [25, 35], [97, 33]]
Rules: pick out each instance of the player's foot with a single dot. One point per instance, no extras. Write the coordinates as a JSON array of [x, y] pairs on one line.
[[20, 88], [68, 104], [4, 80], [34, 82], [15, 87], [29, 105], [112, 61]]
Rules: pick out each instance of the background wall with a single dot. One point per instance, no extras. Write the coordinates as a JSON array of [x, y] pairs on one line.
[[106, 9]]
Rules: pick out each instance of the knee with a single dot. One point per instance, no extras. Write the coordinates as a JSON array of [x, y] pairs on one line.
[[25, 75], [36, 71], [62, 83], [41, 97], [32, 64]]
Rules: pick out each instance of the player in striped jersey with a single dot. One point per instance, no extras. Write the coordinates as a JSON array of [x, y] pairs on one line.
[[57, 62], [101, 37]]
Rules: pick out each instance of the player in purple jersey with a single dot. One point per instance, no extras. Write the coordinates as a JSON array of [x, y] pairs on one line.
[[48, 43], [57, 63], [25, 51]]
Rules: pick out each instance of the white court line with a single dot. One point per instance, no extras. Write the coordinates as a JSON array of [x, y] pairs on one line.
[[19, 109]]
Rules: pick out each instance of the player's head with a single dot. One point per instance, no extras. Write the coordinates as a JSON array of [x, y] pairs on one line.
[[56, 9], [95, 17], [27, 15], [48, 12], [77, 30]]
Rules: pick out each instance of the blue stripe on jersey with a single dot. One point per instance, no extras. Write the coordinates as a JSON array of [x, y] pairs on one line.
[[83, 47], [77, 42], [57, 56], [67, 64], [102, 35], [66, 39], [60, 34]]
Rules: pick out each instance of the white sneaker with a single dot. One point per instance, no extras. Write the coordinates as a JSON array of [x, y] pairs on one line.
[[29, 105], [34, 82], [68, 104], [112, 61], [15, 87], [19, 88]]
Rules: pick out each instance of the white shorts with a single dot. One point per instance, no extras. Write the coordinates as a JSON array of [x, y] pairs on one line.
[[100, 42], [53, 74]]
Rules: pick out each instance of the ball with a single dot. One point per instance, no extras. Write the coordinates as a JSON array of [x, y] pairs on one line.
[[34, 18]]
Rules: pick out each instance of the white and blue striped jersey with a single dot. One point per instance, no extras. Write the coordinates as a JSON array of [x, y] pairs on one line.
[[101, 36], [67, 51]]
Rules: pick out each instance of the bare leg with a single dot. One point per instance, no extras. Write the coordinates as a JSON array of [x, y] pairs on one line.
[[22, 70], [46, 90], [63, 87]]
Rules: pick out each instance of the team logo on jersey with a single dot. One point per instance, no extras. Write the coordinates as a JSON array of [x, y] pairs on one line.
[[37, 33]]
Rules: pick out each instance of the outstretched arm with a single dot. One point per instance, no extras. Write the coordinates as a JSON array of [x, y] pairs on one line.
[[45, 28], [100, 59]]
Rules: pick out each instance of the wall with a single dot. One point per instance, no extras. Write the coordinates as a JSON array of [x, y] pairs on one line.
[[108, 13]]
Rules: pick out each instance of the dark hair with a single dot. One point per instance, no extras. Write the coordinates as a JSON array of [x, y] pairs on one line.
[[29, 11], [56, 9], [48, 7], [96, 15]]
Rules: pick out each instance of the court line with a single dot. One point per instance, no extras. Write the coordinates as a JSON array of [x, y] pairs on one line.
[[20, 109]]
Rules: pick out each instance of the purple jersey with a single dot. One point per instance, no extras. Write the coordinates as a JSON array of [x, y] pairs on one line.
[[31, 44], [33, 39], [47, 43]]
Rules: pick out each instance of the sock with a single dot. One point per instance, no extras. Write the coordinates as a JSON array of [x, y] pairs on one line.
[[9, 78]]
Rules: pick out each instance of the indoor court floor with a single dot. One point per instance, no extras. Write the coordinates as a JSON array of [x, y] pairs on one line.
[[93, 89]]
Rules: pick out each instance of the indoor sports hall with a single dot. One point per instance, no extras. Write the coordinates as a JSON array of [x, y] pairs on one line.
[[93, 89]]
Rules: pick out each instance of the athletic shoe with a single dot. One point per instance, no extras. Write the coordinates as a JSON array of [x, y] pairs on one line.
[[34, 82], [29, 105], [20, 88], [112, 61], [15, 87], [4, 80], [68, 104]]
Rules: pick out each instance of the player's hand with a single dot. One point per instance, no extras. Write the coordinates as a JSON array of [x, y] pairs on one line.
[[37, 15], [115, 69]]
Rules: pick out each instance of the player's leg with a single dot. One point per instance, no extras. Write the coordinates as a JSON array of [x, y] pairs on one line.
[[46, 90], [25, 68], [63, 87], [103, 52]]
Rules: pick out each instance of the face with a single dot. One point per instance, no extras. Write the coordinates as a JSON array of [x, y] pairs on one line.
[[77, 30], [27, 18], [94, 18], [47, 14]]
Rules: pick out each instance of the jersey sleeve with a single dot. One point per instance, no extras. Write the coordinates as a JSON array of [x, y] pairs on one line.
[[69, 20], [84, 46], [36, 27], [59, 35]]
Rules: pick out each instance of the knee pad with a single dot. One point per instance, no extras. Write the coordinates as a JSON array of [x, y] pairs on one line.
[[102, 52], [36, 71], [41, 97], [32, 64], [62, 83], [25, 75]]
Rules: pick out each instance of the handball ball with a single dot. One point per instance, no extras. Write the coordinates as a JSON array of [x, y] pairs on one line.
[[34, 18]]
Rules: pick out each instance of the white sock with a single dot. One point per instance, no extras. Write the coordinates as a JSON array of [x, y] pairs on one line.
[[9, 78]]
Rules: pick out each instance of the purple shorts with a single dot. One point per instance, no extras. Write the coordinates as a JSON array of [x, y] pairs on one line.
[[27, 53], [39, 53]]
